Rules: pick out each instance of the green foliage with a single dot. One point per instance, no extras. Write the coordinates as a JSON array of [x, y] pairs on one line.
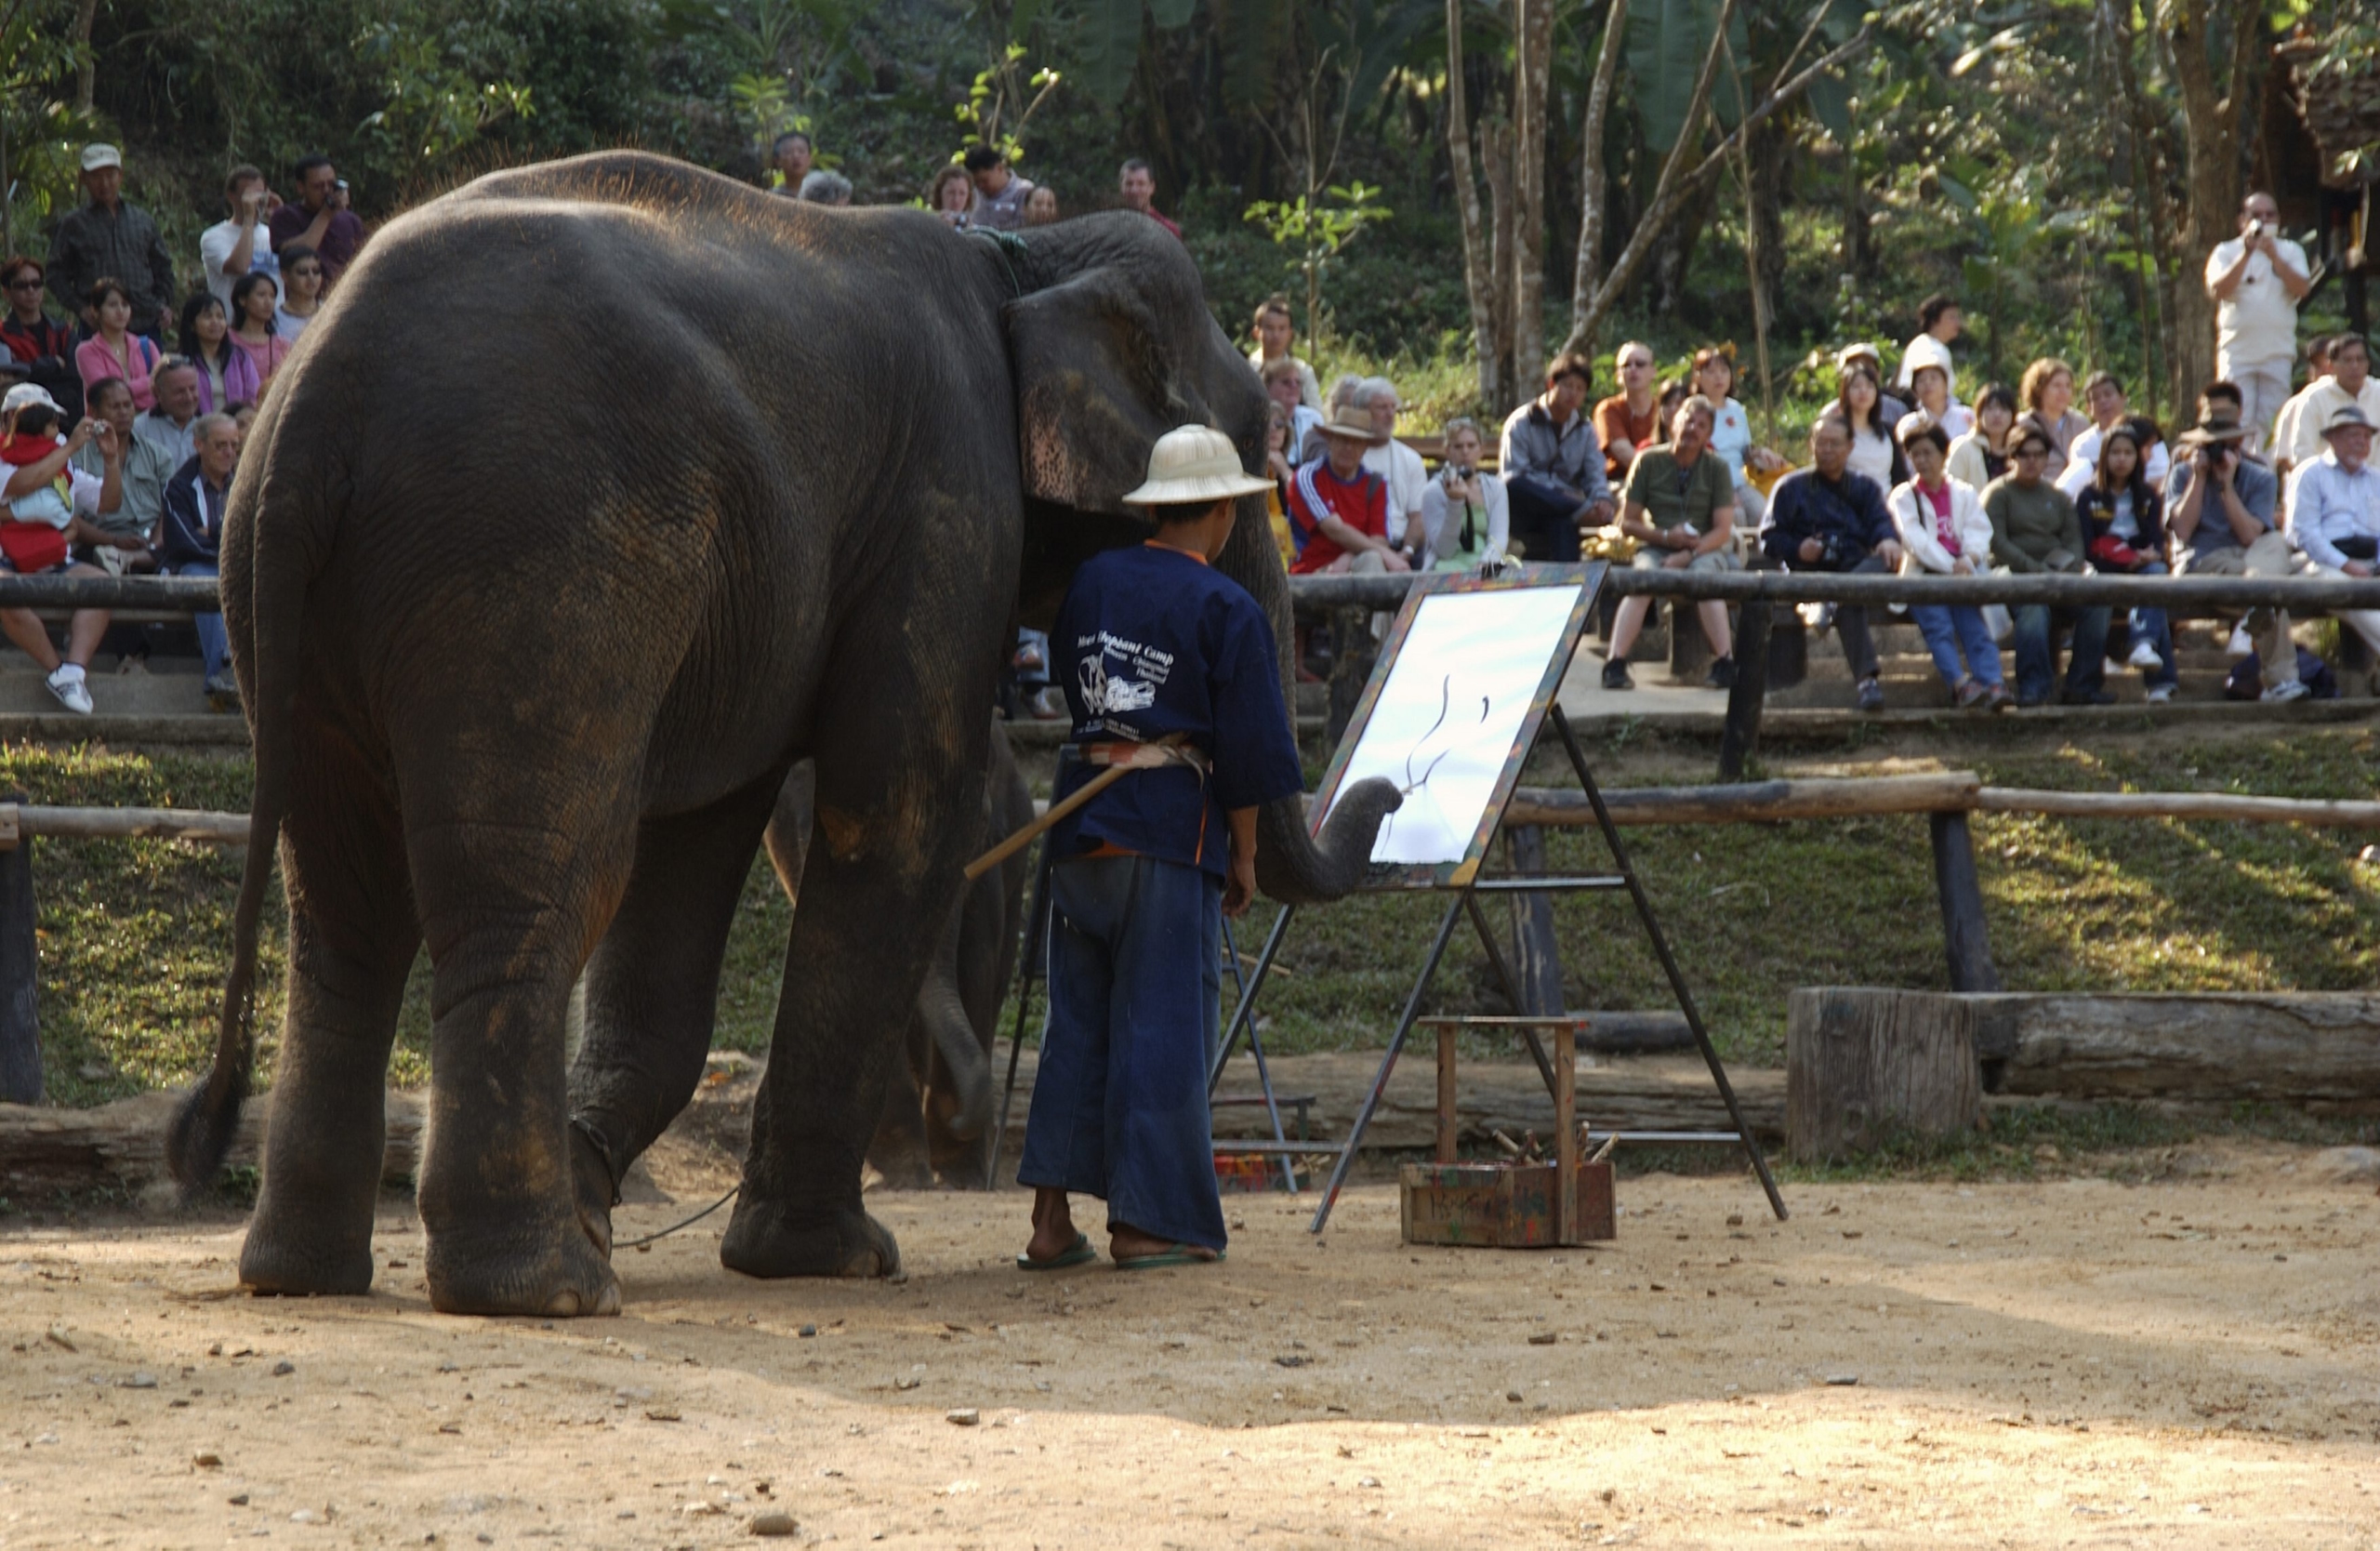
[[434, 106], [997, 94], [1314, 231], [1667, 41]]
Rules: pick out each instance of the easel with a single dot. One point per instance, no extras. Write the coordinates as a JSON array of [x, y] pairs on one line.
[[1463, 882]]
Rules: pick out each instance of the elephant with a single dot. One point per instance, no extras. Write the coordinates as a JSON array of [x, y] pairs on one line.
[[533, 617], [938, 1102]]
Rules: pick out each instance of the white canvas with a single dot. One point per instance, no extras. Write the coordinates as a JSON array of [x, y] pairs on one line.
[[1454, 702]]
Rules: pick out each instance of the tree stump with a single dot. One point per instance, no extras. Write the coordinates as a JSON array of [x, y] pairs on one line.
[[1863, 1064]]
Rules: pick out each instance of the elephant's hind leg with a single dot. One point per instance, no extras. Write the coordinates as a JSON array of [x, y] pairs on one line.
[[351, 940], [653, 991]]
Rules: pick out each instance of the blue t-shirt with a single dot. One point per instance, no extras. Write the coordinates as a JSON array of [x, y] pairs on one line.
[[1153, 641]]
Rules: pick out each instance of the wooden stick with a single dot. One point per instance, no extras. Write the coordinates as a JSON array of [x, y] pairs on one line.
[[1057, 811], [1757, 802], [2219, 805]]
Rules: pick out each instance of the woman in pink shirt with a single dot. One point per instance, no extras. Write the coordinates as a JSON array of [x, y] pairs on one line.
[[115, 351], [254, 296]]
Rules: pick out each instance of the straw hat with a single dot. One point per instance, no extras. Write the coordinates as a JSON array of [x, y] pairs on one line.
[[1357, 424], [2347, 416], [2218, 427], [1195, 465]]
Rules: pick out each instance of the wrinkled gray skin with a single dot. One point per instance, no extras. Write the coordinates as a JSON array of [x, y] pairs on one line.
[[938, 1100], [531, 624]]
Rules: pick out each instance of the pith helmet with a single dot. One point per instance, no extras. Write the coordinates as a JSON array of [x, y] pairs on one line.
[[1195, 465]]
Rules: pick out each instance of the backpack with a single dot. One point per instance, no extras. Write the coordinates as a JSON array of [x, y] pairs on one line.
[[2247, 680]]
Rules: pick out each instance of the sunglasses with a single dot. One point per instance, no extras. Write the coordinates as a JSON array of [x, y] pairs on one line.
[[24, 284]]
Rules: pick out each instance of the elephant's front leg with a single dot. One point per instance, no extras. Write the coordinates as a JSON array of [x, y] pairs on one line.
[[893, 817]]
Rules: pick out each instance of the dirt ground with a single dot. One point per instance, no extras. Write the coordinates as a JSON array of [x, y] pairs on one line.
[[2190, 1361]]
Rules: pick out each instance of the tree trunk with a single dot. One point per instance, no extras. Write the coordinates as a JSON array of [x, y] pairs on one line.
[[1863, 1066], [1499, 158], [1587, 270], [1478, 272], [2212, 125], [1675, 257], [85, 67], [1533, 47]]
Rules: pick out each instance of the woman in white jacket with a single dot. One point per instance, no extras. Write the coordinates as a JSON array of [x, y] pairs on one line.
[[1943, 530]]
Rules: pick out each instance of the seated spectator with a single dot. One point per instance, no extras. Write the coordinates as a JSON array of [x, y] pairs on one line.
[[2103, 395], [1275, 333], [43, 347], [951, 195], [1000, 194], [170, 421], [1464, 508], [2350, 382], [2035, 532], [1679, 504], [241, 243], [2047, 389], [255, 301], [114, 349], [1340, 406], [1932, 391], [1828, 518], [2334, 510], [1338, 508], [2220, 501], [196, 500], [1400, 465], [50, 508], [301, 294], [1285, 379], [320, 223], [1630, 420], [1892, 406], [1674, 391], [1981, 456], [1944, 532], [1280, 466], [1715, 378], [824, 188], [1553, 466], [792, 156], [2123, 534], [225, 371], [146, 466], [1137, 184], [1859, 404], [1939, 323], [2317, 371], [245, 416], [1041, 205]]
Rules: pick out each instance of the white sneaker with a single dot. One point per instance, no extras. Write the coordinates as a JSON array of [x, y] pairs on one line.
[[2159, 694], [67, 686], [2282, 693], [2144, 654]]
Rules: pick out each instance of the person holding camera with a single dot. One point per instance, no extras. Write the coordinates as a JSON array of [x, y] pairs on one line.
[[2219, 506], [2258, 279], [51, 507], [1829, 517], [2335, 509], [321, 221], [243, 244], [1464, 510], [2035, 530]]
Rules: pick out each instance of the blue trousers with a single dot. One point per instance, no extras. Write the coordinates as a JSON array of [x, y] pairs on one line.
[[2086, 662], [1119, 1108], [214, 640], [2152, 624], [1954, 629]]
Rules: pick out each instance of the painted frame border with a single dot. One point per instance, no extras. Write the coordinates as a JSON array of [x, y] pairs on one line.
[[1387, 875]]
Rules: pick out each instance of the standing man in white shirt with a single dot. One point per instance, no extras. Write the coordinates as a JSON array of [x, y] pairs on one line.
[[1940, 321], [2258, 279], [1408, 480], [243, 244]]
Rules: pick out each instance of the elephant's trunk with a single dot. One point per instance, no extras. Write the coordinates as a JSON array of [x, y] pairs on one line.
[[1297, 868], [965, 1107]]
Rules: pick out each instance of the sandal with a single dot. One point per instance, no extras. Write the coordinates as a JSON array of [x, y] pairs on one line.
[[1176, 1254], [1079, 1252]]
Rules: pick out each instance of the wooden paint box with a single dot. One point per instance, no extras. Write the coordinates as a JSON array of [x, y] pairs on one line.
[[1505, 1206]]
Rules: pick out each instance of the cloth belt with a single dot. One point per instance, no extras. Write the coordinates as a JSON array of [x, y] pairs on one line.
[[1143, 756]]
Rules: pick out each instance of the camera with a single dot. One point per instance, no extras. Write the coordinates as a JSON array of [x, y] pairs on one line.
[[2255, 231], [340, 185]]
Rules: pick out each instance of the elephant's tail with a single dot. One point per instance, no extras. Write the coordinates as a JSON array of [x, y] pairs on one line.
[[264, 596]]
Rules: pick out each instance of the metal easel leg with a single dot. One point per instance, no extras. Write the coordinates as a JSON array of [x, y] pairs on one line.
[[1668, 960], [1388, 1062], [1256, 1048], [1246, 1011]]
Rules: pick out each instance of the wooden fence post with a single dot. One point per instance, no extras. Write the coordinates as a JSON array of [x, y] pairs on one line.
[[1741, 740], [1351, 665], [20, 1078], [1537, 959], [1962, 928], [1862, 1063]]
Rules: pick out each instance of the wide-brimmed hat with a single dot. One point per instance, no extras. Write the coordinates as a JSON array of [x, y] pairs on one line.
[[2215, 428], [1195, 465], [2347, 416], [99, 153], [1351, 421], [1849, 353], [26, 394]]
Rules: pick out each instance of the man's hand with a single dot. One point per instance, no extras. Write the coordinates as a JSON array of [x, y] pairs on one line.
[[1811, 550], [1239, 888], [166, 322], [1395, 559], [1600, 512], [338, 201], [85, 431], [1889, 552], [90, 316], [1679, 560], [1963, 567], [128, 542], [2357, 568], [2224, 464]]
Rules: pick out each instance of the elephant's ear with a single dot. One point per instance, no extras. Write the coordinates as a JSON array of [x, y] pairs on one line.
[[1095, 389]]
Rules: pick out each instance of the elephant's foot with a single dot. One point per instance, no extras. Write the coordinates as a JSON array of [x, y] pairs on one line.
[[560, 1275], [771, 1239], [284, 1259]]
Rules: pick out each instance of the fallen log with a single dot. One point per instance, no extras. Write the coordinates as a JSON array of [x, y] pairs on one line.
[[121, 1145], [2319, 1051]]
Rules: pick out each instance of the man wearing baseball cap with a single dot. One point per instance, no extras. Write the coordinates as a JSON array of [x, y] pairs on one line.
[[108, 239], [2334, 508], [2219, 505], [1169, 672]]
